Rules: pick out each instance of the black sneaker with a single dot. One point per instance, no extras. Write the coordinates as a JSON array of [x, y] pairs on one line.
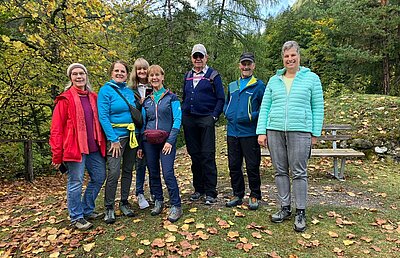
[[235, 201], [109, 217], [196, 196], [300, 222], [209, 200], [94, 216], [281, 215], [81, 224]]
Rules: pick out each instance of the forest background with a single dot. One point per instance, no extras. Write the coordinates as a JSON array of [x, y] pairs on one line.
[[354, 46]]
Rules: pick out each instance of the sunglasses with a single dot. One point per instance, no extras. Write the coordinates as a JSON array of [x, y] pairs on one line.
[[198, 55]]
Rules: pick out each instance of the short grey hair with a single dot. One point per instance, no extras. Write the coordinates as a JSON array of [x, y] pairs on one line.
[[291, 44]]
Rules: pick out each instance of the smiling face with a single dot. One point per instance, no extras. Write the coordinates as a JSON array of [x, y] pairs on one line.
[[246, 68], [291, 60], [199, 61], [119, 73], [78, 78], [156, 78], [141, 73]]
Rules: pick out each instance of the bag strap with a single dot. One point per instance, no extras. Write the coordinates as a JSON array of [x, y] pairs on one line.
[[122, 96]]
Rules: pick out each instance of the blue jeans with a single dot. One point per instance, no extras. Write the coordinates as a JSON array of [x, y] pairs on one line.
[[140, 175], [79, 206], [154, 155]]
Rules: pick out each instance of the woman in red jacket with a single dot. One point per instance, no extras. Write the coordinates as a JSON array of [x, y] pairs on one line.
[[77, 142]]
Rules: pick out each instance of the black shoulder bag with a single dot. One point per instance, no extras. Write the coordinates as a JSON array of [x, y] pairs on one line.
[[135, 113]]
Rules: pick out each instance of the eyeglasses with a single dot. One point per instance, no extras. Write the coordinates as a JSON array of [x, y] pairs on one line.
[[80, 74], [198, 55]]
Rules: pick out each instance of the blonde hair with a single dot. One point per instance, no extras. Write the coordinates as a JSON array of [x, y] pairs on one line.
[[133, 78], [155, 68]]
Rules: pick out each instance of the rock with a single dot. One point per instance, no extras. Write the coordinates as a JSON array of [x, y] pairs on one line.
[[381, 150], [361, 144]]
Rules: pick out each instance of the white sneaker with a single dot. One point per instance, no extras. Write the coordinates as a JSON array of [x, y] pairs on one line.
[[143, 203]]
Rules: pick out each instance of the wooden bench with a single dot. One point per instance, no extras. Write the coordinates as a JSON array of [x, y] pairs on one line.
[[330, 134]]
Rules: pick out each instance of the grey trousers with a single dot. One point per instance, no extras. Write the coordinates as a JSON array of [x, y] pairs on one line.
[[290, 151], [128, 157]]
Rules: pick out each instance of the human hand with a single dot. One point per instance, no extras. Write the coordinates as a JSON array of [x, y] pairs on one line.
[[167, 148], [56, 166], [314, 140], [140, 154], [262, 140], [115, 149]]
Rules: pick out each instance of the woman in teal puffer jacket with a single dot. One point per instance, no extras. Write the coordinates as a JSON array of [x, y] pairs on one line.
[[290, 119]]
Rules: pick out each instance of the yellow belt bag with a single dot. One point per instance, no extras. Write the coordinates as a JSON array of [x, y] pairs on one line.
[[132, 137]]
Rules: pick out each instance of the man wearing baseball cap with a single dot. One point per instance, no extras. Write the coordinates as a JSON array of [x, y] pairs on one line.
[[241, 110], [202, 104]]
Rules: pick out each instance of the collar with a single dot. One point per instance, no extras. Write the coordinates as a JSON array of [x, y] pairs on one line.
[[202, 71]]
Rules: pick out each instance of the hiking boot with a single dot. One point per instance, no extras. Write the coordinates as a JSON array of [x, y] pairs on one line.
[[281, 215], [253, 203], [235, 201], [126, 209], [109, 217], [94, 216], [196, 196], [158, 207], [209, 200], [174, 213], [143, 203], [300, 221], [81, 224]]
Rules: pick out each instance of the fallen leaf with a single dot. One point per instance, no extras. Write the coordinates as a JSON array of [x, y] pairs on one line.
[[247, 247], [377, 249], [120, 238], [188, 221], [170, 239], [333, 234], [243, 240], [348, 242], [200, 226], [315, 221], [256, 235], [233, 234], [158, 242], [193, 210], [306, 236], [88, 247], [185, 227], [366, 239], [350, 236], [54, 255], [145, 242], [139, 252], [172, 228], [239, 214], [212, 231], [133, 234], [201, 235]]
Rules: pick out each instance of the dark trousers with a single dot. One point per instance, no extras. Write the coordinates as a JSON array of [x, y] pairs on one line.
[[200, 143], [154, 156], [248, 148]]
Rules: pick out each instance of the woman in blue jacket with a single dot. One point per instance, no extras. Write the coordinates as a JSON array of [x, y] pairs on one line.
[[162, 120], [117, 123], [291, 117]]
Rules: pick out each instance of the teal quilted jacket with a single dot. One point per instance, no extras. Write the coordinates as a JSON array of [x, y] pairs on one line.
[[301, 110]]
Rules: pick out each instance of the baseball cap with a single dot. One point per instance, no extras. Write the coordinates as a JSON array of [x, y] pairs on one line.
[[247, 56], [199, 48]]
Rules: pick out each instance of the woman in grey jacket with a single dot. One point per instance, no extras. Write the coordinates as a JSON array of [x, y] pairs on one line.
[[291, 117]]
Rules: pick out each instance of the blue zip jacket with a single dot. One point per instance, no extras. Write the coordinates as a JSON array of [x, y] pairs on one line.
[[206, 99], [165, 115], [242, 107], [114, 110], [301, 110]]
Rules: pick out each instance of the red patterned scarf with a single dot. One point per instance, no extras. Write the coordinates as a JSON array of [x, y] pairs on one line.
[[80, 119]]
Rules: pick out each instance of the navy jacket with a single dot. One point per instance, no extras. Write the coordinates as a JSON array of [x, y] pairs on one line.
[[165, 115], [206, 99], [242, 107]]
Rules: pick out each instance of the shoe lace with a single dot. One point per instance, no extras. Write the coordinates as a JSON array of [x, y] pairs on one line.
[[300, 217]]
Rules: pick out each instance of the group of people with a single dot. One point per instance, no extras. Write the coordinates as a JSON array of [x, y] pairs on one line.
[[98, 131]]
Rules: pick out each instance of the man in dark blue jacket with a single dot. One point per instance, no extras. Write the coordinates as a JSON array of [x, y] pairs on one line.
[[241, 109], [202, 104]]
